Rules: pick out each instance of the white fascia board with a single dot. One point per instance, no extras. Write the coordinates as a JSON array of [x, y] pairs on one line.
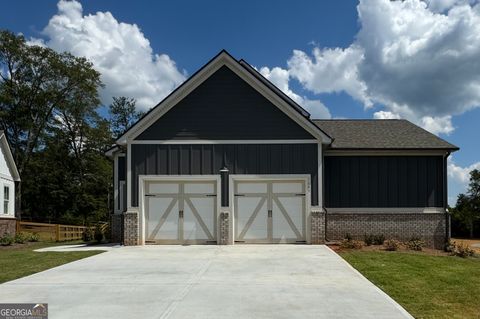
[[9, 158], [176, 142], [192, 83], [384, 152]]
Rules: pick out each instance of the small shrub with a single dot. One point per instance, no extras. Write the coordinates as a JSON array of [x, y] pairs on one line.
[[378, 239], [415, 244], [450, 246], [87, 235], [21, 237], [391, 244], [33, 237], [369, 239], [351, 244], [462, 250], [6, 240], [98, 234]]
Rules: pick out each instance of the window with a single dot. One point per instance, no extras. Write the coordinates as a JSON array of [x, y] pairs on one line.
[[6, 199]]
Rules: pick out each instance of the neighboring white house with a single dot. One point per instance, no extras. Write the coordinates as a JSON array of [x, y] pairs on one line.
[[8, 176]]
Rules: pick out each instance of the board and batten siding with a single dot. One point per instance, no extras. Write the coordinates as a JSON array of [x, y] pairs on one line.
[[384, 181], [208, 159], [224, 107], [122, 173]]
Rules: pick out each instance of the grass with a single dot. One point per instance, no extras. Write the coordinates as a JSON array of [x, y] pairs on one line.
[[20, 260], [426, 286]]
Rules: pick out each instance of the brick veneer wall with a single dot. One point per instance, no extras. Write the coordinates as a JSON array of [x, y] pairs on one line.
[[116, 228], [224, 227], [430, 227], [8, 226], [130, 228], [318, 227]]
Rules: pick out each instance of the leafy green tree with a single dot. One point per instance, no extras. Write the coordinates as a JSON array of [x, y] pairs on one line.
[[123, 114], [467, 209], [37, 84]]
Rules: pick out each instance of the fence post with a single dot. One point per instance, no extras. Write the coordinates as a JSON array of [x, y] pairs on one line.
[[57, 232], [18, 227]]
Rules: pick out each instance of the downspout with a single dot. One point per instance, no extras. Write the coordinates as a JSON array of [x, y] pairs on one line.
[[326, 223], [445, 199]]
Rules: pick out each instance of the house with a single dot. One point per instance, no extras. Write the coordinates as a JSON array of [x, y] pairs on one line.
[[227, 158], [8, 176]]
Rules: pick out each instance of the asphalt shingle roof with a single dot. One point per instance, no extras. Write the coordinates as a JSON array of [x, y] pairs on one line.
[[380, 134]]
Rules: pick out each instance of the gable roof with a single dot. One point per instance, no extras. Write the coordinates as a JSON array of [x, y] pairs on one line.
[[381, 134], [9, 157], [253, 78]]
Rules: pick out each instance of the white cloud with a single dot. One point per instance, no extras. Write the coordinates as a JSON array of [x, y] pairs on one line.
[[280, 78], [418, 60], [458, 179], [386, 115], [438, 124], [461, 174], [330, 70], [119, 51]]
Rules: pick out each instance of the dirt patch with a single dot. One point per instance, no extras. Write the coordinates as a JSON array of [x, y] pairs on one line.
[[426, 251]]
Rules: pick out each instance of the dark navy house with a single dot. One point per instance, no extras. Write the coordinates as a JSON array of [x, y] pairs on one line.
[[227, 158]]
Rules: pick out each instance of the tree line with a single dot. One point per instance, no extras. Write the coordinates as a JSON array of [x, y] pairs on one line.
[[50, 114]]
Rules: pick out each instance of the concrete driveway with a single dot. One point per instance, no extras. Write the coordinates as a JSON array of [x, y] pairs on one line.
[[243, 281]]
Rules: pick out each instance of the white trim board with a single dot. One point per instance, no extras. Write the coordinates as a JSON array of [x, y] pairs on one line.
[[384, 152], [9, 158], [183, 142], [385, 210], [222, 59]]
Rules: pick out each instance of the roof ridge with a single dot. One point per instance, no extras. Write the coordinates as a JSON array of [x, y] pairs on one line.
[[359, 120]]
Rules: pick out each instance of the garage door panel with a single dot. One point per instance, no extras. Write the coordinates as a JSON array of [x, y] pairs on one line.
[[281, 217], [199, 188], [295, 206], [162, 218], [285, 219], [288, 187], [251, 219], [198, 221], [255, 188], [179, 212], [163, 188]]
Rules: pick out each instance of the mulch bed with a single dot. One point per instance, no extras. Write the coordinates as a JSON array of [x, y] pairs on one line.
[[427, 251]]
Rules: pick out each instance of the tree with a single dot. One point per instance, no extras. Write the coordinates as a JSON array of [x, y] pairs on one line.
[[467, 209], [37, 84], [123, 114]]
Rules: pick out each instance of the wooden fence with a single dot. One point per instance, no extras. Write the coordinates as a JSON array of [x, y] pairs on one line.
[[55, 232]]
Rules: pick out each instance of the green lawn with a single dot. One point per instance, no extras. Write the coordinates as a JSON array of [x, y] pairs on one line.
[[21, 261], [426, 286]]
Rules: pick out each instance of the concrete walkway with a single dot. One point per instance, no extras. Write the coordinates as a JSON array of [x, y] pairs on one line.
[[80, 247], [242, 281]]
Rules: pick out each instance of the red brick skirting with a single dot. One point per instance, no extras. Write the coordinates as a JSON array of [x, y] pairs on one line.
[[430, 227], [8, 226]]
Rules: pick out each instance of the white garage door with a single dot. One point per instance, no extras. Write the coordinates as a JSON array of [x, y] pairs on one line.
[[180, 212], [270, 211]]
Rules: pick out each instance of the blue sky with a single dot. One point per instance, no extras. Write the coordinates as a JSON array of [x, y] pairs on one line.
[[367, 59]]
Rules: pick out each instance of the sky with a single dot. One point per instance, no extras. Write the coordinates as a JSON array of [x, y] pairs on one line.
[[413, 59]]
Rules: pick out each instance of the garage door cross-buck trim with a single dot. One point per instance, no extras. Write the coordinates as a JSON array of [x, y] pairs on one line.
[[180, 212], [270, 211]]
